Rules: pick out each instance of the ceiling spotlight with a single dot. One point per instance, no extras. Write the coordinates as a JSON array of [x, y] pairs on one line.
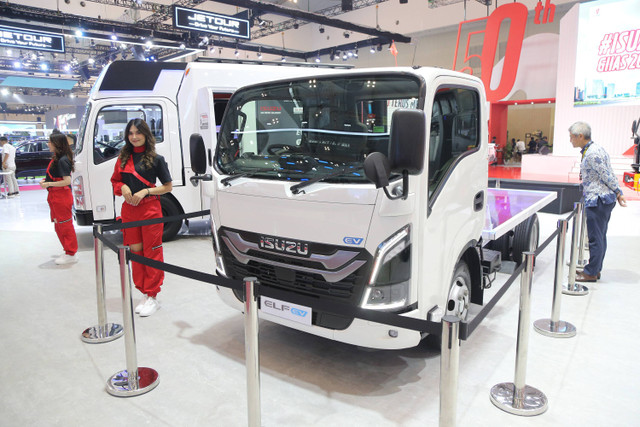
[[318, 57], [372, 49], [67, 67], [259, 53], [236, 53], [92, 43], [78, 33], [344, 56], [182, 46], [91, 61], [114, 37], [284, 59], [379, 47], [44, 66], [296, 26], [349, 54], [149, 44], [346, 35], [321, 29], [355, 54], [332, 56]]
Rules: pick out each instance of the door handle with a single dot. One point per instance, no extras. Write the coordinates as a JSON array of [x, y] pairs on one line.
[[478, 201]]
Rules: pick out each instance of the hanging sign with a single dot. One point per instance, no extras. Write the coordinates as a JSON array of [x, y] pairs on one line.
[[207, 22], [18, 38], [516, 14]]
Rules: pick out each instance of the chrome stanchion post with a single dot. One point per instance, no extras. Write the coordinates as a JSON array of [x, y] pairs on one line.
[[449, 365], [574, 288], [555, 327], [103, 331], [581, 262], [518, 398], [134, 380], [251, 351]]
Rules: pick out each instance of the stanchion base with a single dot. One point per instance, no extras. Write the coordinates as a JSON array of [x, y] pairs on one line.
[[118, 384], [100, 334], [559, 329], [575, 290], [534, 402]]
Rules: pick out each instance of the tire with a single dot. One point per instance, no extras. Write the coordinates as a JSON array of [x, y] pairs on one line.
[[459, 297], [526, 238], [169, 208]]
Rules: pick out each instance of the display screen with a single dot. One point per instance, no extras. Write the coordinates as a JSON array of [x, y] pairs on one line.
[[608, 53]]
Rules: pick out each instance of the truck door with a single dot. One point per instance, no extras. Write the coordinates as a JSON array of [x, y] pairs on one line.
[[457, 174], [108, 129]]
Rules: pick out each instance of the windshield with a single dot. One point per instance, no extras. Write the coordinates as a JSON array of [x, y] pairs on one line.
[[82, 129], [311, 128]]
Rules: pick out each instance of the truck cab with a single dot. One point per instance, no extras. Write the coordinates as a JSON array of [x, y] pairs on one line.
[[365, 187], [177, 100]]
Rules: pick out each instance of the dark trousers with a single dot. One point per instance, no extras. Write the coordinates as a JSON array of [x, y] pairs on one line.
[[597, 224]]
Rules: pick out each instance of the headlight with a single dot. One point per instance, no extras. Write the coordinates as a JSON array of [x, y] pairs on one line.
[[217, 249], [78, 194], [389, 284]]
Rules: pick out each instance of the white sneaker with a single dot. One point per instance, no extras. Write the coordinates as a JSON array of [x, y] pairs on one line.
[[66, 259], [141, 303], [151, 305]]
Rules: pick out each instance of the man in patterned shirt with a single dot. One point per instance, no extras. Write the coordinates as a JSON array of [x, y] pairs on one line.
[[601, 190]]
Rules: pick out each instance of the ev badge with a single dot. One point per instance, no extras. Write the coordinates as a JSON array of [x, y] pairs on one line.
[[353, 240]]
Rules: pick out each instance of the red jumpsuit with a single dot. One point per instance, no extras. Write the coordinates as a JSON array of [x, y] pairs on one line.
[[60, 202], [147, 280]]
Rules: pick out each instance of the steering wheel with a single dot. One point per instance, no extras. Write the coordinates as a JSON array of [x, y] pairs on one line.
[[278, 149]]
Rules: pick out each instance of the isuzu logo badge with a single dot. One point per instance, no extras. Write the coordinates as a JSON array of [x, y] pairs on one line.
[[276, 244]]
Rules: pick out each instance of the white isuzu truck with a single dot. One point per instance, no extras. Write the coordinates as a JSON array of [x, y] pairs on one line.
[[365, 187], [176, 100]]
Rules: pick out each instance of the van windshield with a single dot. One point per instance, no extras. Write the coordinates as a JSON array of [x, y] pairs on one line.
[[307, 129]]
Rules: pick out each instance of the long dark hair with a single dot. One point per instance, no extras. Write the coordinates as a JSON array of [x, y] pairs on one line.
[[150, 144], [61, 148]]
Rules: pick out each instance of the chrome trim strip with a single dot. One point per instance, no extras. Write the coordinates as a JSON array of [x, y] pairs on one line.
[[330, 262], [329, 276]]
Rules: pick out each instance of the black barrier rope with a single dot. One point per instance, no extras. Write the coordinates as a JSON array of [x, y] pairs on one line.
[[546, 242], [351, 311], [426, 326], [106, 241], [121, 225], [188, 273], [467, 328]]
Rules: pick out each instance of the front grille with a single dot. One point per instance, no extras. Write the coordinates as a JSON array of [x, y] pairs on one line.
[[289, 277]]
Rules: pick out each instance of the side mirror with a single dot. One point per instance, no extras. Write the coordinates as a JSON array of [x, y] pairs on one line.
[[198, 154], [407, 141], [377, 169]]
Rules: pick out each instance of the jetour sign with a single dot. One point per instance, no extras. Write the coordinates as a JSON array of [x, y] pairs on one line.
[[19, 38], [198, 20]]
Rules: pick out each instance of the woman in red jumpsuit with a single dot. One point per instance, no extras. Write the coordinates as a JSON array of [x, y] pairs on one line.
[[57, 182], [137, 169]]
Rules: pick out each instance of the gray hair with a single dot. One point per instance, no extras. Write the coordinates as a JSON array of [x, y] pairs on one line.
[[581, 128]]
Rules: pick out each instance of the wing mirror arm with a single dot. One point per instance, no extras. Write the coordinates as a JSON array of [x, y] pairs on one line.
[[206, 177]]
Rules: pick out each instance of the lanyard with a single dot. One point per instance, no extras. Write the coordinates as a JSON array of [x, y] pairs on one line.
[[130, 168]]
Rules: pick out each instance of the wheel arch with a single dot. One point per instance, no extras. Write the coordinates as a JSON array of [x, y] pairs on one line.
[[471, 257]]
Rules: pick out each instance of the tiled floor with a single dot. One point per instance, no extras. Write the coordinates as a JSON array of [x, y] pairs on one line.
[[49, 377]]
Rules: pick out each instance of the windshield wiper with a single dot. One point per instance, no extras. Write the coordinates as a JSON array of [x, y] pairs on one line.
[[297, 189], [226, 181]]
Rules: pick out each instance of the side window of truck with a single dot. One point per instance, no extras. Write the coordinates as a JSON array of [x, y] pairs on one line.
[[454, 131], [110, 125]]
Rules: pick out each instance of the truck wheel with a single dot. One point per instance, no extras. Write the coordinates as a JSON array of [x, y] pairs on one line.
[[526, 238], [460, 292], [171, 229]]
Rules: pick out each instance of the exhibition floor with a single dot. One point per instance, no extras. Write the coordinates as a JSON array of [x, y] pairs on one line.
[[49, 377]]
